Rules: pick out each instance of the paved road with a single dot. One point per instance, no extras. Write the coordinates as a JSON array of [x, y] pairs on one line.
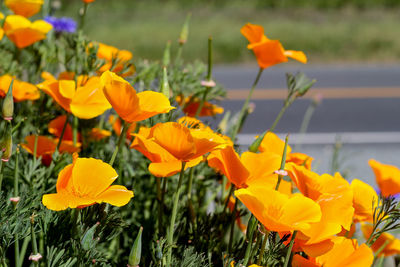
[[357, 98], [361, 105]]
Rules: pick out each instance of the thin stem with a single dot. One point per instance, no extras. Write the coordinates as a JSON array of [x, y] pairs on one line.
[[75, 130], [246, 104], [16, 169], [158, 181], [381, 248], [289, 252], [192, 213], [257, 245], [304, 124], [23, 250], [208, 78], [121, 137], [33, 239], [170, 236], [283, 161], [1, 173], [232, 228], [264, 244], [251, 226], [278, 118], [232, 188], [82, 22], [62, 133], [35, 146]]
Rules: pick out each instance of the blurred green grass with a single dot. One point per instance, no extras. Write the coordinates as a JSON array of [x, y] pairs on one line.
[[346, 34]]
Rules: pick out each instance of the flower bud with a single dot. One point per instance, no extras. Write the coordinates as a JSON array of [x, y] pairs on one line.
[[8, 103], [164, 84], [167, 54], [185, 30], [6, 144], [136, 251]]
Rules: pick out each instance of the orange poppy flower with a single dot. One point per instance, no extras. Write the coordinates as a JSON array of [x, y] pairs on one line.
[[391, 243], [268, 52], [1, 29], [46, 146], [21, 90], [85, 101], [56, 126], [300, 261], [98, 134], [387, 177], [169, 144], [115, 60], [364, 200], [248, 169], [277, 211], [88, 1], [26, 8], [129, 105], [333, 194], [24, 33], [117, 126], [347, 252], [85, 182], [191, 104], [271, 143]]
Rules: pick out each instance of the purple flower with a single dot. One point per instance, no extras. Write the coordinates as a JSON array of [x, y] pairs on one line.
[[63, 24]]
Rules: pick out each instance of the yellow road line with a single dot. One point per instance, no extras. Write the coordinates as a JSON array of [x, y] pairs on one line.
[[326, 93]]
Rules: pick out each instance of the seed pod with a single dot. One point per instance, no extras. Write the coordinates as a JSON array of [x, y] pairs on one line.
[[8, 104], [136, 251]]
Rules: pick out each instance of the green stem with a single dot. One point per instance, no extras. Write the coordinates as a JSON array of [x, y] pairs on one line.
[[23, 250], [82, 22], [232, 188], [232, 228], [170, 236], [35, 146], [283, 161], [257, 245], [121, 137], [381, 248], [192, 213], [246, 104], [289, 252], [264, 243], [33, 239], [16, 169], [304, 124], [1, 173], [62, 133], [208, 78], [251, 226], [278, 118], [75, 130]]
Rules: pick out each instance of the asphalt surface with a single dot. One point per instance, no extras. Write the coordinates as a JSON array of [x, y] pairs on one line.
[[375, 107], [360, 107]]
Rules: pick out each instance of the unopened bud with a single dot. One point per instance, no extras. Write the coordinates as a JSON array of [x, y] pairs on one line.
[[136, 251], [6, 144], [167, 54], [185, 30], [8, 103], [164, 83]]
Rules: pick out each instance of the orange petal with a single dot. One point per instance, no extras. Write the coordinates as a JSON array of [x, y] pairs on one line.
[[169, 168], [64, 200], [387, 177], [269, 53], [228, 162], [91, 176], [297, 55], [364, 199], [150, 104], [56, 126], [252, 32], [175, 138], [89, 101], [271, 143], [116, 195]]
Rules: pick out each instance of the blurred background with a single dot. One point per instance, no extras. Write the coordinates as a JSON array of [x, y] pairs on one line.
[[353, 48]]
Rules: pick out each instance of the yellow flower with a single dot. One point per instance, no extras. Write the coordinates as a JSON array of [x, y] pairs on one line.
[[24, 33], [387, 177], [129, 105], [85, 99], [268, 52], [26, 8], [364, 199], [21, 90], [277, 211], [85, 182]]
